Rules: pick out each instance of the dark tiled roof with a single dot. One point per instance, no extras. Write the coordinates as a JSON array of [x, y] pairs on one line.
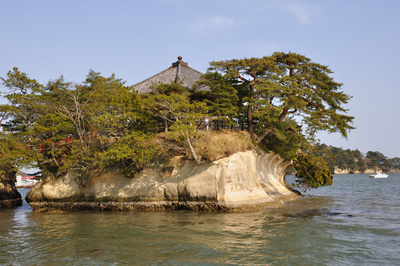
[[179, 71]]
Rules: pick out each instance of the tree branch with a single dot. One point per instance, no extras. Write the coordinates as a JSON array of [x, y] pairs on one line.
[[312, 104], [283, 114], [264, 134]]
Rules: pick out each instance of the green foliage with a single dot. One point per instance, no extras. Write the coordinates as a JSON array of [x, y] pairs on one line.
[[131, 153], [253, 80], [393, 163], [288, 99], [95, 125], [110, 126], [220, 96], [307, 90], [17, 118], [376, 159], [312, 171], [23, 108], [188, 117], [283, 100], [283, 140], [12, 154], [170, 88], [181, 116], [164, 101], [342, 159], [354, 161]]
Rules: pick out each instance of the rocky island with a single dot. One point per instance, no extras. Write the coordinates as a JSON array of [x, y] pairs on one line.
[[243, 181], [180, 139]]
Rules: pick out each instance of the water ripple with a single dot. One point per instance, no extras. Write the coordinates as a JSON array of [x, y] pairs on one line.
[[354, 222]]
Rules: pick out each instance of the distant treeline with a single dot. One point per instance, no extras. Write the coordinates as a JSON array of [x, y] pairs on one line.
[[355, 161]]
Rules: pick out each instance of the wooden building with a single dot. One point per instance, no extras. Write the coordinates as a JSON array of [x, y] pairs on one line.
[[178, 72]]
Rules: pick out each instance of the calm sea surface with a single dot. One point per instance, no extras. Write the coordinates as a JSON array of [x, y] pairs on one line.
[[356, 221]]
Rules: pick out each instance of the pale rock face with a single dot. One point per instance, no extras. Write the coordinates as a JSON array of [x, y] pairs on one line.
[[241, 181], [62, 188]]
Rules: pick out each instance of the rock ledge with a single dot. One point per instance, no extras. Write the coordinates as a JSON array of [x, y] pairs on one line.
[[244, 181]]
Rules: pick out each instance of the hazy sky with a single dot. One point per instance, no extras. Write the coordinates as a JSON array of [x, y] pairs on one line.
[[357, 39]]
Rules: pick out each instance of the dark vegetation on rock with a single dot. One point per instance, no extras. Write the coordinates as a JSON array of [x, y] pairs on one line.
[[10, 157], [9, 195]]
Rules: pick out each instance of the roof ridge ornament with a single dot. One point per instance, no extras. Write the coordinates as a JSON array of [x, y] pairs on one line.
[[179, 62]]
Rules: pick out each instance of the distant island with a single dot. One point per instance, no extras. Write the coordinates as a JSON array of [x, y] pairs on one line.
[[341, 161], [254, 108]]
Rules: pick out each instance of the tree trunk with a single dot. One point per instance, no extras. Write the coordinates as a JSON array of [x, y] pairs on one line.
[[283, 114], [194, 155], [250, 112], [262, 137], [249, 121], [166, 125]]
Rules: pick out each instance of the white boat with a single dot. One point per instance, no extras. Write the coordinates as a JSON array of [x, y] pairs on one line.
[[379, 175], [25, 181]]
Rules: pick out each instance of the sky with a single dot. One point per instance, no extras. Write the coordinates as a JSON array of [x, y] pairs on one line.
[[357, 39]]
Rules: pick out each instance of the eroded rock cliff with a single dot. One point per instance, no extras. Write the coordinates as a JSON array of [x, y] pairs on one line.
[[242, 181], [9, 195]]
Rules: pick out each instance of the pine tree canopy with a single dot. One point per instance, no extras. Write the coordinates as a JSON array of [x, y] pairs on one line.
[[282, 100]]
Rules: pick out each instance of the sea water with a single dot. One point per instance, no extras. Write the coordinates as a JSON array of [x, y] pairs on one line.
[[356, 221]]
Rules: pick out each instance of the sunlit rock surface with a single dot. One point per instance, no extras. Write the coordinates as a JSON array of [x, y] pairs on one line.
[[243, 181]]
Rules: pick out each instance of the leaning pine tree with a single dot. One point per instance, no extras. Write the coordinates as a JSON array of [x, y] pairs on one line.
[[289, 99]]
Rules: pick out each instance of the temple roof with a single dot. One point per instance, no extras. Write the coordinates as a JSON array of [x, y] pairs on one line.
[[179, 71]]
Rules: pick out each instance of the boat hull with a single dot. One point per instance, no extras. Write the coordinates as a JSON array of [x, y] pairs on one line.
[[379, 176]]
